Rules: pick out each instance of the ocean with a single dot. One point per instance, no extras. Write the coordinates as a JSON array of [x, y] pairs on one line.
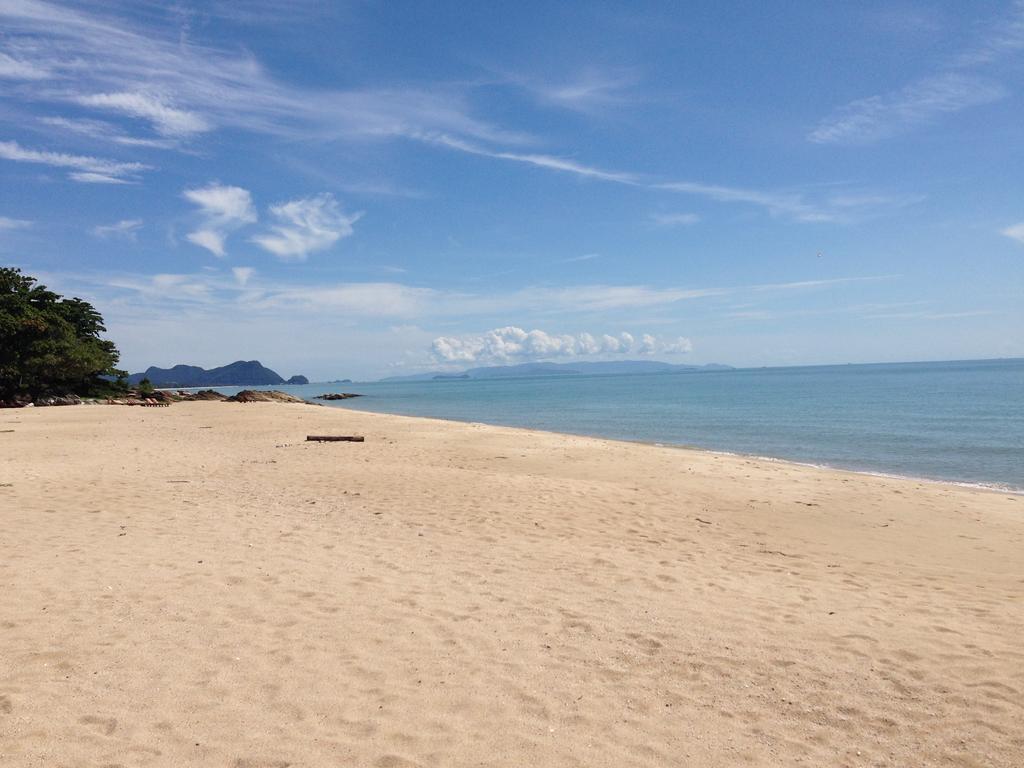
[[958, 421]]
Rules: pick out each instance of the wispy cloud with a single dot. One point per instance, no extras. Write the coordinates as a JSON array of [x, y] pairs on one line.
[[782, 203], [1002, 37], [304, 226], [83, 168], [184, 88], [930, 315], [789, 204], [1015, 232], [549, 162], [166, 119], [15, 69], [513, 344], [590, 91], [104, 131], [674, 219], [244, 291], [242, 275], [223, 209], [925, 100], [7, 223], [921, 102], [126, 229]]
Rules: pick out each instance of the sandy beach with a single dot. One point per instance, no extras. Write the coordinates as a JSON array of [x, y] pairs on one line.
[[196, 585]]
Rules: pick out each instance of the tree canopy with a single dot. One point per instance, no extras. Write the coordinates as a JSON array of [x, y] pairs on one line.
[[49, 344]]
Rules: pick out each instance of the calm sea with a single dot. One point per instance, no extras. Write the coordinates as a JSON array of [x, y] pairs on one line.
[[961, 421]]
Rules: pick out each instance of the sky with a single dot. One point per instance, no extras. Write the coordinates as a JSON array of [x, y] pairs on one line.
[[363, 189]]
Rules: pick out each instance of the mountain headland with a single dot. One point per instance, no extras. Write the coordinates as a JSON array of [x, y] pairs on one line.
[[239, 373]]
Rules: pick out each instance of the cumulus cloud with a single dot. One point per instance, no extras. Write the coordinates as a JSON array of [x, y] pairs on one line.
[[511, 343], [126, 228], [304, 226], [1016, 232], [223, 209], [83, 168]]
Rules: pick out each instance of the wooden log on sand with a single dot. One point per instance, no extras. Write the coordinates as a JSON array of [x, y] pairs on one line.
[[336, 438]]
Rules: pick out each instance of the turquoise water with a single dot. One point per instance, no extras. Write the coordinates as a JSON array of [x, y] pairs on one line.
[[961, 421]]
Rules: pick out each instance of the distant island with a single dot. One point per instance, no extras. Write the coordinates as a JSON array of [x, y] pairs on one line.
[[562, 369], [239, 373]]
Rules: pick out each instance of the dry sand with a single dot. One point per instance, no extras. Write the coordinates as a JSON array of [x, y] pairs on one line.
[[196, 586]]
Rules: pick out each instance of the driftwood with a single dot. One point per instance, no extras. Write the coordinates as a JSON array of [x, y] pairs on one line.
[[336, 438]]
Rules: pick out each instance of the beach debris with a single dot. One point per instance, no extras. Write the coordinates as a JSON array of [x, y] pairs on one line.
[[706, 522], [336, 438], [336, 396]]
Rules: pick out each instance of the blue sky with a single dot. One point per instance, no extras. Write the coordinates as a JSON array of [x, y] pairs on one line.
[[363, 189]]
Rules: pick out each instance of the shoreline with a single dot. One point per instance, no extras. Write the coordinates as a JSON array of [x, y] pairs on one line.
[[985, 486], [993, 487]]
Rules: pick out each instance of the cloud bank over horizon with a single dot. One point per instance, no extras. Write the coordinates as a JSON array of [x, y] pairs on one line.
[[513, 344]]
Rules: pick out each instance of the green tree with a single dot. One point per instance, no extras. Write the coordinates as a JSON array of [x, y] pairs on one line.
[[49, 344]]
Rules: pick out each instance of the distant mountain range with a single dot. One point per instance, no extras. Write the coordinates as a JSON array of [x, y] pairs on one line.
[[562, 369], [239, 373]]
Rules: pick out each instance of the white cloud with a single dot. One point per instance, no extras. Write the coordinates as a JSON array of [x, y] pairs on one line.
[[166, 119], [590, 92], [1004, 37], [208, 239], [360, 300], [777, 203], [675, 219], [7, 223], [923, 101], [223, 209], [183, 87], [790, 204], [84, 168], [542, 161], [879, 117], [100, 129], [1016, 232], [126, 228], [512, 343], [306, 225], [223, 203], [246, 295], [242, 274], [14, 69]]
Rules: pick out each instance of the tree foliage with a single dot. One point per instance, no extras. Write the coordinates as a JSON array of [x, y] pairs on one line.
[[49, 344]]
